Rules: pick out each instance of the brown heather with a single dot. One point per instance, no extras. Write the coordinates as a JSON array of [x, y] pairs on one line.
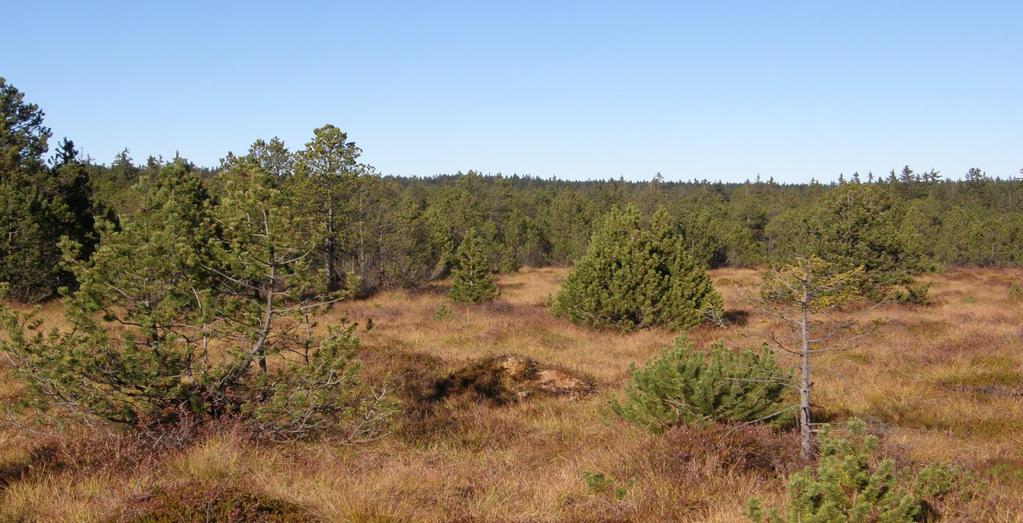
[[940, 382]]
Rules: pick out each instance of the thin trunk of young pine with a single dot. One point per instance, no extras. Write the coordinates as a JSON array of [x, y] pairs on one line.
[[258, 349], [268, 314], [272, 283], [330, 252], [806, 435]]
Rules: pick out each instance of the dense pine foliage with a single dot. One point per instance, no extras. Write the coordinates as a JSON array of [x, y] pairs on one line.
[[850, 483], [196, 306], [472, 279], [683, 386], [408, 229], [634, 276], [39, 201]]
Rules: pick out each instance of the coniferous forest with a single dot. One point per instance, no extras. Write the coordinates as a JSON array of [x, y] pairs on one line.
[[291, 335], [393, 232]]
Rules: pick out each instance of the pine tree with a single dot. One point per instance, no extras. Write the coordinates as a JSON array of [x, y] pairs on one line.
[[858, 226], [181, 308], [327, 172], [38, 205], [472, 280], [147, 277], [634, 277], [851, 483], [683, 386], [452, 212], [802, 294], [27, 251], [959, 237], [405, 259]]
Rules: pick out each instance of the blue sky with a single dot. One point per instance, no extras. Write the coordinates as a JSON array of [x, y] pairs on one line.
[[717, 90]]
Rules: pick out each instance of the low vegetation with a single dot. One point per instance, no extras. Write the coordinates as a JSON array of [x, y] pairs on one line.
[[934, 385], [850, 484], [683, 386]]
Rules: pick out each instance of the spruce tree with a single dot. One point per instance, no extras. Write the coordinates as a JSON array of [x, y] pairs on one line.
[[472, 281], [634, 277]]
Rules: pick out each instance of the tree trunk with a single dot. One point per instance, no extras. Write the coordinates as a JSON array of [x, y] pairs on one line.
[[807, 449], [330, 252], [268, 311], [265, 330]]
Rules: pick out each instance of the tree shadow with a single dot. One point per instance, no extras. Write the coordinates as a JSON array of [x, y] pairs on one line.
[[736, 317]]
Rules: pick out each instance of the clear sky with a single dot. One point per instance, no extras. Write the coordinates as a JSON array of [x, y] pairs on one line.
[[711, 89]]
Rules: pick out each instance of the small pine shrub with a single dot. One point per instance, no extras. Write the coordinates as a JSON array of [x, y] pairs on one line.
[[602, 484], [319, 398], [1015, 292], [915, 294], [472, 280], [442, 313], [683, 386], [634, 277], [850, 484]]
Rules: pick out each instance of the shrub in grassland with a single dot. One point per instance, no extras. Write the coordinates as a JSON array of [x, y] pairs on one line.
[[634, 277], [849, 484], [319, 397], [471, 279], [915, 294], [857, 225], [1015, 292], [683, 386]]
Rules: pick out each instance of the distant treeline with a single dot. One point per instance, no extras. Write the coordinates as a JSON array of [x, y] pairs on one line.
[[398, 232], [537, 222], [402, 231]]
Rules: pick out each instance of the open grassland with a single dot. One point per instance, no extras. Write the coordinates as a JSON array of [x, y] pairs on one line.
[[937, 382]]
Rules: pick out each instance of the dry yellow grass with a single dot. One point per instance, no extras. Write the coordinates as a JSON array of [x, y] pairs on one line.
[[940, 382]]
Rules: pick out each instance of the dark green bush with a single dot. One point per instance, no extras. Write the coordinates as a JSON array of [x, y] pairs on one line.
[[472, 280], [634, 277], [683, 386], [858, 226]]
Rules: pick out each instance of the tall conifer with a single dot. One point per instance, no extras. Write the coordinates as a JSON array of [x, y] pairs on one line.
[[472, 281]]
